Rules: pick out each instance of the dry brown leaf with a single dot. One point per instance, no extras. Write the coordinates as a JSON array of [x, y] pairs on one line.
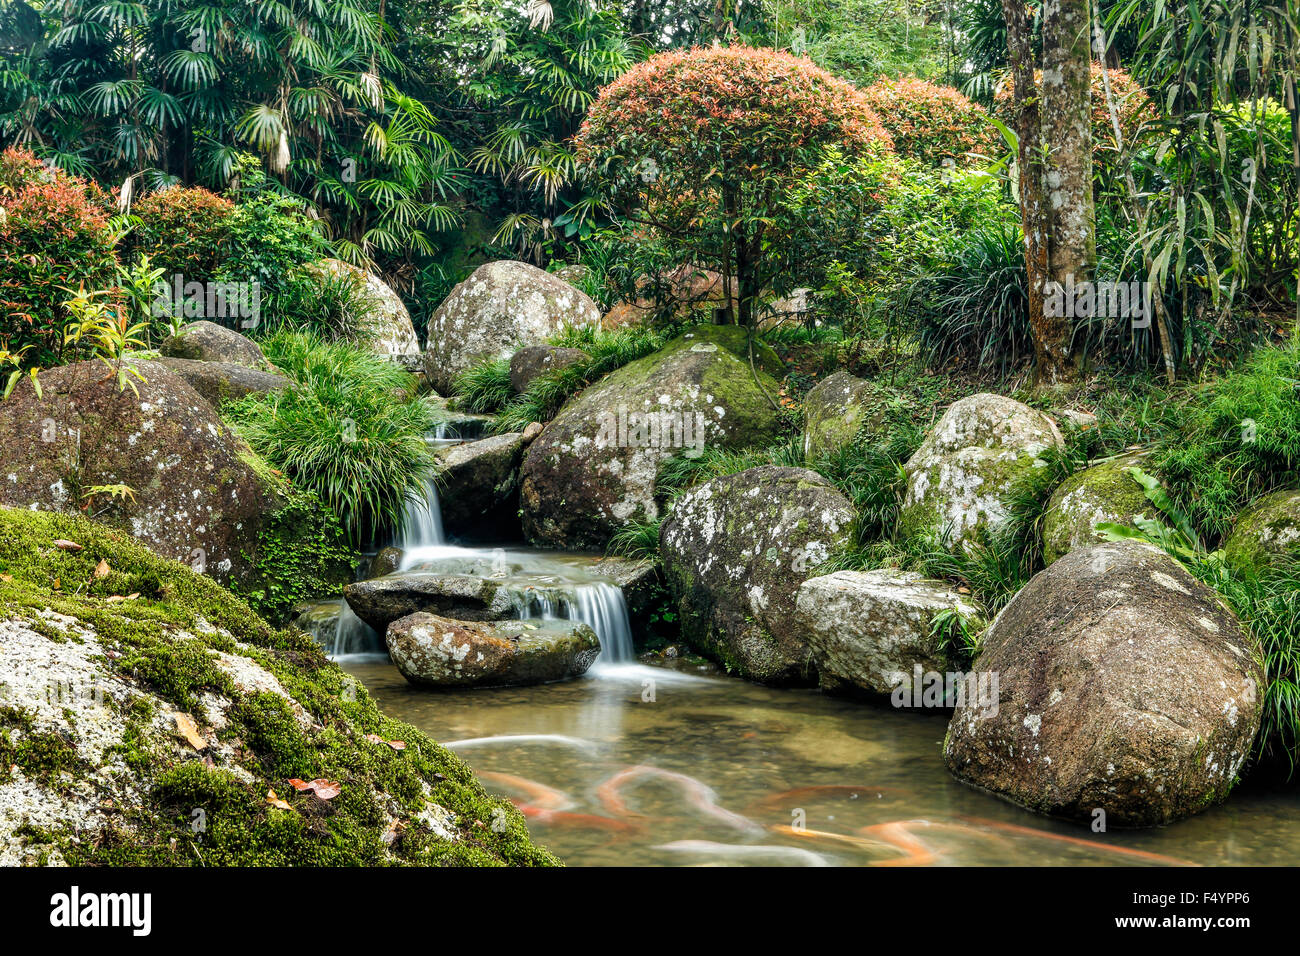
[[67, 545], [276, 802], [187, 729], [397, 744], [394, 828], [102, 569], [325, 789], [6, 577]]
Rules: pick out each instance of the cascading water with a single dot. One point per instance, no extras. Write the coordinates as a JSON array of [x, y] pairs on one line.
[[599, 605]]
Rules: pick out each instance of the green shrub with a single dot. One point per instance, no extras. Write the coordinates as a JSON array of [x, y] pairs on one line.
[[931, 123], [184, 231], [348, 430], [271, 237]]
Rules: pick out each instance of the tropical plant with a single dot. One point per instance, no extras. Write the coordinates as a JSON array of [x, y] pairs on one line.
[[933, 124]]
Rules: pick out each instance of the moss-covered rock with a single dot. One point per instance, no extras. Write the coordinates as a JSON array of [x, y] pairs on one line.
[[205, 341], [151, 718], [433, 651], [593, 469], [958, 480], [1266, 534], [382, 323], [1102, 493], [533, 361], [498, 309], [479, 487], [221, 382], [837, 408], [735, 551]]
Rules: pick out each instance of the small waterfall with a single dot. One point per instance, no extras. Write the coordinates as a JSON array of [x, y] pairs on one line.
[[422, 520], [353, 635], [599, 605]]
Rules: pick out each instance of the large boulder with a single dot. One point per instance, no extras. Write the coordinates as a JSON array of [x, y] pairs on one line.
[[870, 631], [837, 408], [533, 361], [500, 308], [1124, 686], [220, 382], [205, 341], [479, 486], [194, 494], [382, 323], [735, 551], [593, 469], [433, 651], [465, 597], [959, 478], [148, 718], [1102, 493], [1266, 534]]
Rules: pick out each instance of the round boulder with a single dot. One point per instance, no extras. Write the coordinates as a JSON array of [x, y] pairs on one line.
[[500, 308], [479, 486], [836, 408], [535, 360], [225, 381], [1102, 493], [1125, 688], [1266, 534], [959, 477], [433, 651], [593, 468], [735, 551], [208, 342], [383, 323]]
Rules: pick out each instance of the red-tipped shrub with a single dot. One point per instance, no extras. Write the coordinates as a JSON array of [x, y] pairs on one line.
[[931, 123], [183, 230]]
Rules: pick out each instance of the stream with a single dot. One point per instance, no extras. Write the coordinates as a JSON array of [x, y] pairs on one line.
[[677, 764]]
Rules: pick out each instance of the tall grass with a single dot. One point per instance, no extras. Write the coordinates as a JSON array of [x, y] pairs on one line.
[[346, 430]]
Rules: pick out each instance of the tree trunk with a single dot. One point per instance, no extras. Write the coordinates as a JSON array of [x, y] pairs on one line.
[[1067, 136], [1026, 120]]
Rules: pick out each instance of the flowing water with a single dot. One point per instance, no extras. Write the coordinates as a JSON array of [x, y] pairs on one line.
[[681, 765]]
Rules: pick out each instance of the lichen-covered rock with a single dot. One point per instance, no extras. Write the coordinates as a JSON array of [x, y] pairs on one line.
[[639, 579], [836, 408], [386, 561], [535, 360], [735, 551], [959, 477], [1266, 534], [1125, 686], [194, 493], [500, 308], [383, 324], [433, 651], [870, 630], [465, 597], [149, 718], [574, 274], [479, 486], [208, 342], [1102, 493], [593, 468], [220, 382]]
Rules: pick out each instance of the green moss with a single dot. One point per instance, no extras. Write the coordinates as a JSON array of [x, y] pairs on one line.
[[163, 642]]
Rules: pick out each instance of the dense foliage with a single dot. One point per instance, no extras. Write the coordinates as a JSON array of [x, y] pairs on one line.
[[932, 123]]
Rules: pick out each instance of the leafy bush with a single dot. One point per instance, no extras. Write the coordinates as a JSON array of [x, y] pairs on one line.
[[931, 123], [55, 237], [270, 238], [346, 430], [184, 231]]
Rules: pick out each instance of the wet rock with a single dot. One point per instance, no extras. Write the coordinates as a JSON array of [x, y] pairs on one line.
[[639, 579], [593, 469], [959, 477], [1125, 686], [536, 360], [502, 307], [531, 432], [386, 561], [1103, 493], [208, 342], [837, 408], [479, 487], [383, 324], [870, 630], [221, 382], [194, 495], [735, 551], [1266, 534], [433, 651], [466, 597]]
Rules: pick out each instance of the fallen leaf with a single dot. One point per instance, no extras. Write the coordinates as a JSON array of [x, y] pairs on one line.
[[6, 577], [374, 738], [394, 828], [397, 744], [276, 802], [325, 789], [57, 584], [299, 784], [102, 569], [67, 545], [186, 727]]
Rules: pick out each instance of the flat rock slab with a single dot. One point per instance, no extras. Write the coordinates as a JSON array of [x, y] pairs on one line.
[[220, 382]]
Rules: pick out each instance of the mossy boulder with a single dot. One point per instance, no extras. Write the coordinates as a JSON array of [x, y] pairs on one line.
[[149, 717], [870, 631], [735, 551], [159, 463], [1103, 493], [465, 597], [1124, 685], [503, 306], [433, 651], [221, 382], [382, 322], [534, 361], [960, 477], [837, 409], [1266, 534], [205, 341], [593, 468], [479, 487]]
